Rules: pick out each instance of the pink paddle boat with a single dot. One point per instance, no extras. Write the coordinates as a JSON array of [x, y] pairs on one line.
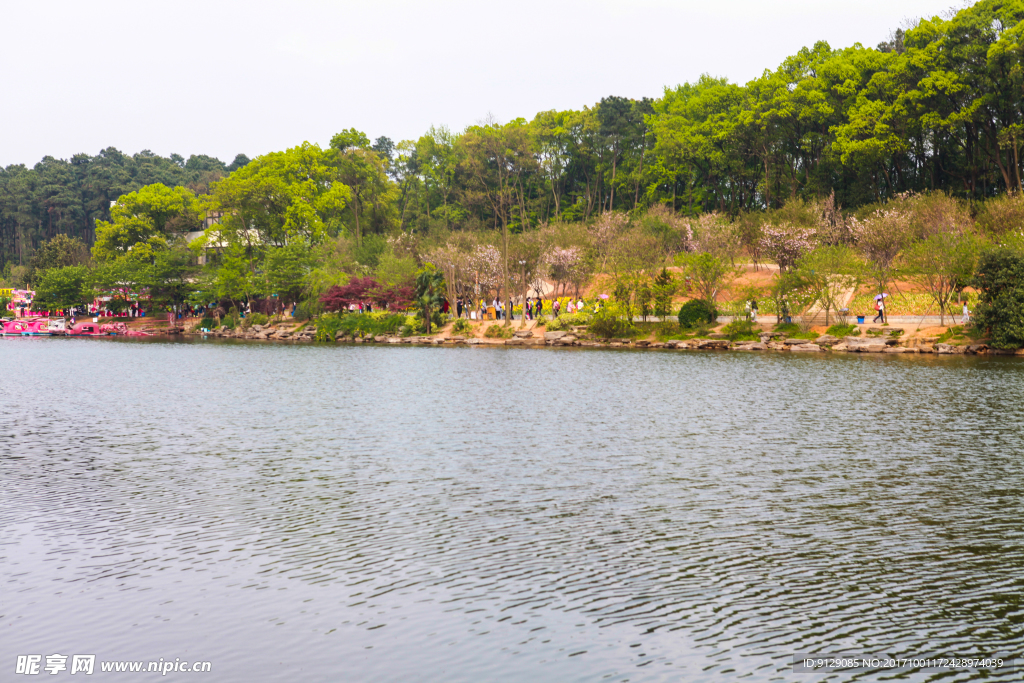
[[88, 329], [27, 328]]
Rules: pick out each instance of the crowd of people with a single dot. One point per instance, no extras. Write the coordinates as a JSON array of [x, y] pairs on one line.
[[533, 308]]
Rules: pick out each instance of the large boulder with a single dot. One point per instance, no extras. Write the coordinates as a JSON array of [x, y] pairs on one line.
[[864, 345], [551, 336], [947, 349], [805, 347], [713, 344], [826, 340], [522, 334], [750, 346], [796, 342]]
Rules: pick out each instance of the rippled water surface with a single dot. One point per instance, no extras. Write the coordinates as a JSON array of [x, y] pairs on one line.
[[462, 514]]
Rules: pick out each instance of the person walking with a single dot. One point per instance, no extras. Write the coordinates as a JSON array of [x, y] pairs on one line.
[[753, 311], [967, 315], [579, 306], [570, 307], [555, 306], [540, 307], [880, 308]]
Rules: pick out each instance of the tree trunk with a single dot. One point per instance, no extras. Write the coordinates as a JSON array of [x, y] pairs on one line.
[[611, 201]]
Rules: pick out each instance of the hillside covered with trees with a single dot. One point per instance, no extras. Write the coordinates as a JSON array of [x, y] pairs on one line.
[[833, 148]]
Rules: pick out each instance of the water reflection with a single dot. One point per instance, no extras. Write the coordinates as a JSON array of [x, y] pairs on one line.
[[328, 513]]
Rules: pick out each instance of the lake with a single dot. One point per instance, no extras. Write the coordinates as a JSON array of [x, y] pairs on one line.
[[365, 513]]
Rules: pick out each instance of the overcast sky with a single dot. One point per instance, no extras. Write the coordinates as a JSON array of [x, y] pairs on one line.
[[221, 77]]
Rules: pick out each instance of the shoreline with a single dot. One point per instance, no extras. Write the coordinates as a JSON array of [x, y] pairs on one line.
[[887, 341]]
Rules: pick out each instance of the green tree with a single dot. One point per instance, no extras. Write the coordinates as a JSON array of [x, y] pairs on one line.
[[60, 251], [708, 274], [496, 159], [63, 287], [1000, 309], [429, 292], [279, 198], [828, 275], [153, 215], [124, 279], [663, 289], [365, 173], [286, 270], [942, 265], [171, 279]]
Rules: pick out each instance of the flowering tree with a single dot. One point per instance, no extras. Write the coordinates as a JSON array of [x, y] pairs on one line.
[[881, 237], [604, 234], [486, 265], [834, 228], [674, 231], [711, 234], [785, 244], [566, 266], [456, 266]]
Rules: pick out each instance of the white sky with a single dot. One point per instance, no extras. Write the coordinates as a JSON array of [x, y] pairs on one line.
[[221, 77]]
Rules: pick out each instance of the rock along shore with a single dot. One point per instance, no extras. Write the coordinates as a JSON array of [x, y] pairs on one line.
[[887, 343]]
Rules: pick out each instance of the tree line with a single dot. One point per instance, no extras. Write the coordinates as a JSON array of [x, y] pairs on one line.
[[936, 107]]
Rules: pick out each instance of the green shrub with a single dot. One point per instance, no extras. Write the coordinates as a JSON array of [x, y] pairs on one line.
[[541, 322], [741, 330], [364, 324], [498, 332], [258, 319], [307, 310], [607, 324], [207, 323], [696, 311], [461, 326], [844, 331], [564, 322], [1000, 310], [793, 331]]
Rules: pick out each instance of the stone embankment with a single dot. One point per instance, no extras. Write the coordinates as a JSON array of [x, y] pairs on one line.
[[887, 341]]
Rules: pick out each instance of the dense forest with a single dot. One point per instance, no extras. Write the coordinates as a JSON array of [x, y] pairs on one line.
[[67, 197], [873, 150], [937, 107]]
